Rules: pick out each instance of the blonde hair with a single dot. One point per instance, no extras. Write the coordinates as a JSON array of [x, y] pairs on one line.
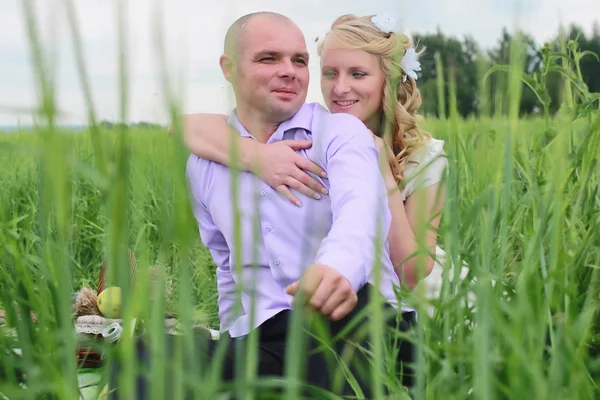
[[401, 100]]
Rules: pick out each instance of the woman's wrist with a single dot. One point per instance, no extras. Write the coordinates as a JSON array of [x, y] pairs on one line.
[[250, 154], [390, 182]]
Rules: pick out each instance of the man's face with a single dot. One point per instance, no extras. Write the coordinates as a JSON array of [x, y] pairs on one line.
[[271, 70]]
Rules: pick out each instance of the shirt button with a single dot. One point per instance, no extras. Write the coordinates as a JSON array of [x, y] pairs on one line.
[[276, 262], [262, 193], [269, 228]]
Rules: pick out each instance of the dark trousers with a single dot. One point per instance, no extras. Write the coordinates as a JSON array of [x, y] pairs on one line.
[[319, 366]]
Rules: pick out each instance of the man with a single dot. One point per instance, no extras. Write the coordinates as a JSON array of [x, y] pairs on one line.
[[322, 254]]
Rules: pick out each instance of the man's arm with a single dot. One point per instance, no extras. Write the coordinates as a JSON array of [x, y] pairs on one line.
[[199, 176], [361, 216], [361, 220]]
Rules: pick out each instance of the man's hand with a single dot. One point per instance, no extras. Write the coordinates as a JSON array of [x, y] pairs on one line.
[[281, 168], [325, 290]]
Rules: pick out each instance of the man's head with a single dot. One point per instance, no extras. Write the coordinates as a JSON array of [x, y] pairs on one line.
[[266, 60]]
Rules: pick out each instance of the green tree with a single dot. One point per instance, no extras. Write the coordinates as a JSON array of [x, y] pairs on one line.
[[530, 61], [467, 63], [459, 58]]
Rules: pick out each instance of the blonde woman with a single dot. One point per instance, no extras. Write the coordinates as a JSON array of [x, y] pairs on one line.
[[367, 70]]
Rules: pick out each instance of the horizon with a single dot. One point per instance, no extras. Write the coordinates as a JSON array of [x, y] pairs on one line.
[[196, 78]]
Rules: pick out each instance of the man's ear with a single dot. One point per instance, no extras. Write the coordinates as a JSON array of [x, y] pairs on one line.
[[228, 67]]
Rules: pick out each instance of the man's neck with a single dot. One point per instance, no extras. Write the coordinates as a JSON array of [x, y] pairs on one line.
[[255, 125]]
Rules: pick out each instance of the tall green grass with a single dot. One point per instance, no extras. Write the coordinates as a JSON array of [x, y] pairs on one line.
[[522, 210]]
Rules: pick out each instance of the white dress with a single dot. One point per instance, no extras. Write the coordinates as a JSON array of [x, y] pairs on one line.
[[427, 167]]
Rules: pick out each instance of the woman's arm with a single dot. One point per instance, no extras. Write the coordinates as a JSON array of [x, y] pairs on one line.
[[209, 136], [416, 219]]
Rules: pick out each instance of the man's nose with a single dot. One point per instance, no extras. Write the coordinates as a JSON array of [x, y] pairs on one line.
[[287, 70]]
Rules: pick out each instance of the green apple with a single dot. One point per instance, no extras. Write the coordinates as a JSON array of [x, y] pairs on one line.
[[109, 302]]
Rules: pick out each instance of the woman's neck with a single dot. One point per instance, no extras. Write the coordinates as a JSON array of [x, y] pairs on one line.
[[374, 124]]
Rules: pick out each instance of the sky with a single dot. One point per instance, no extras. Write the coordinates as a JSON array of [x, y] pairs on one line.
[[192, 33]]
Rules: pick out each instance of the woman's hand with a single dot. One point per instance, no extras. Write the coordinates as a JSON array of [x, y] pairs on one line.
[[282, 168]]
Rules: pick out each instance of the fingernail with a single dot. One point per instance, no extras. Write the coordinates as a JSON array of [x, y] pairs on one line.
[[324, 191], [324, 174], [317, 196], [299, 203]]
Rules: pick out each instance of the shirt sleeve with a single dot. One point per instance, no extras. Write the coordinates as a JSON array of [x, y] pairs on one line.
[[199, 174], [361, 217], [425, 168]]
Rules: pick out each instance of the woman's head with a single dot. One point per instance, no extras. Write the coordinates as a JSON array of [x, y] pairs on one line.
[[362, 76]]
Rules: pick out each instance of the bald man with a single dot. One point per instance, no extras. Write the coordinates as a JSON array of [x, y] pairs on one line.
[[324, 252]]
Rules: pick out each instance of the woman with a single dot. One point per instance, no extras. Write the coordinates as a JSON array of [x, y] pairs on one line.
[[360, 76]]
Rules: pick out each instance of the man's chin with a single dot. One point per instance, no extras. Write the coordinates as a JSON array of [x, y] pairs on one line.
[[286, 111]]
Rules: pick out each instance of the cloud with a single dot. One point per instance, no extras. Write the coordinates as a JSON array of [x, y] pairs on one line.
[[544, 16]]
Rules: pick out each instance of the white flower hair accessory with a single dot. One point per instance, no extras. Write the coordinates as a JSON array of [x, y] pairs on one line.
[[384, 22], [410, 64]]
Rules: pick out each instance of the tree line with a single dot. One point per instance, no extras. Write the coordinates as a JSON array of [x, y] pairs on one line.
[[463, 65], [464, 68]]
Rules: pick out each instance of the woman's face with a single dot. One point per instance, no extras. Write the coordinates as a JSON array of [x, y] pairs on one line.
[[352, 82]]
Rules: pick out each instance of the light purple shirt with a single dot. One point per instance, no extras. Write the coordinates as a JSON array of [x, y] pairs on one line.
[[278, 240]]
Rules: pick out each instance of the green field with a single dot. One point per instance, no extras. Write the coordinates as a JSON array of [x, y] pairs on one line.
[[522, 210]]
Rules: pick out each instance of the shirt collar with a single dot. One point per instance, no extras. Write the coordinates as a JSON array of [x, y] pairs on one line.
[[301, 120]]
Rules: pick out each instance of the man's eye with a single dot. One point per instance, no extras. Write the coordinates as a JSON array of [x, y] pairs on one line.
[[267, 59], [301, 61]]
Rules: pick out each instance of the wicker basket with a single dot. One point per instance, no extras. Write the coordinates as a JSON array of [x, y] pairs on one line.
[[132, 265], [90, 328]]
